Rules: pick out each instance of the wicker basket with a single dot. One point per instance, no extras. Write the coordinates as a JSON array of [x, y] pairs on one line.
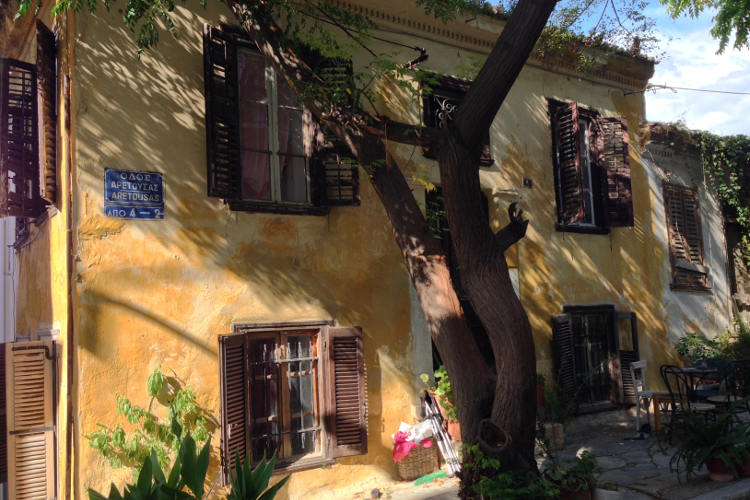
[[419, 462]]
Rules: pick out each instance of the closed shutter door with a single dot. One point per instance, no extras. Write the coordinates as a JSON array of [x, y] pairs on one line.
[[685, 239], [46, 71], [222, 114], [235, 415], [567, 162], [19, 158], [563, 351], [628, 356], [346, 418], [31, 432], [618, 199]]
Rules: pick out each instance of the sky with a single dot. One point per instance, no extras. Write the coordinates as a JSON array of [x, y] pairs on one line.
[[690, 60]]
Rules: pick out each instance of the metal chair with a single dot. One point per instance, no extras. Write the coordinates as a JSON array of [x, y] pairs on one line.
[[643, 396], [682, 394]]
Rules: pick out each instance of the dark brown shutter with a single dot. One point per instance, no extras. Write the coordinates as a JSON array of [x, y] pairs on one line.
[[46, 73], [346, 415], [19, 158], [222, 114], [564, 357], [685, 238], [616, 156], [628, 356], [567, 162], [3, 421], [235, 413]]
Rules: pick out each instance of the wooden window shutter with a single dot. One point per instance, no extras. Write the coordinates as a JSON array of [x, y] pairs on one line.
[[628, 356], [222, 114], [567, 162], [19, 158], [618, 199], [564, 356], [346, 415], [337, 177], [685, 237], [30, 370], [235, 404], [3, 420], [46, 73]]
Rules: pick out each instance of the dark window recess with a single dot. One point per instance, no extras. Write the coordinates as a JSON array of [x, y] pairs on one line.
[[591, 169], [689, 271], [297, 390], [264, 151], [593, 347], [28, 135], [440, 106]]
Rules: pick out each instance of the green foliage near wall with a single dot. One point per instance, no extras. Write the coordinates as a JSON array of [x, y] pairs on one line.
[[150, 433]]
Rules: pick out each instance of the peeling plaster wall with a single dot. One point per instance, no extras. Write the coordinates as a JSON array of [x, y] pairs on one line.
[[153, 293]]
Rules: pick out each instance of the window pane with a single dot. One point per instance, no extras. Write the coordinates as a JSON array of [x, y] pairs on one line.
[[256, 176], [290, 132], [293, 179], [287, 96], [254, 125], [264, 371], [252, 76]]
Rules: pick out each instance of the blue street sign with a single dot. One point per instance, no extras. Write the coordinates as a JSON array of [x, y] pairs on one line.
[[133, 195]]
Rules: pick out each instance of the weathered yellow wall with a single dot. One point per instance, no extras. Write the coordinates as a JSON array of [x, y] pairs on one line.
[[160, 292], [42, 289]]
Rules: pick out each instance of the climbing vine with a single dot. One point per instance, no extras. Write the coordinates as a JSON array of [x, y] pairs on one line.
[[727, 164]]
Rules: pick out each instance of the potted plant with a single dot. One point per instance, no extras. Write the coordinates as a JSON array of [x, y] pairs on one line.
[[554, 413], [576, 482], [718, 444], [443, 393]]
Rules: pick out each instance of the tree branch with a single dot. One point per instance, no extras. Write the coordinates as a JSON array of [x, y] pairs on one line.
[[514, 231]]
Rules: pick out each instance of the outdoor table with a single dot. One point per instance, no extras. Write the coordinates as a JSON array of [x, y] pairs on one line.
[[698, 375]]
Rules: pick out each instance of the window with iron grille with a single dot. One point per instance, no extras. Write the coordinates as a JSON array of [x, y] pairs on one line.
[[591, 169], [689, 271], [295, 390], [28, 130], [265, 150], [440, 103]]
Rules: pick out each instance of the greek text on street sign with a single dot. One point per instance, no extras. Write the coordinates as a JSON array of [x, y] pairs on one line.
[[133, 195]]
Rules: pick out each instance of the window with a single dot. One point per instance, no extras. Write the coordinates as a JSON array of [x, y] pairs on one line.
[[593, 347], [265, 151], [440, 106], [28, 134], [294, 389], [685, 240], [591, 169]]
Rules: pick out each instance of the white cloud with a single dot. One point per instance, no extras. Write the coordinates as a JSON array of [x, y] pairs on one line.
[[691, 61]]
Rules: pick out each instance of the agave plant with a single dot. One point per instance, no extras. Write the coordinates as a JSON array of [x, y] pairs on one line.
[[250, 484]]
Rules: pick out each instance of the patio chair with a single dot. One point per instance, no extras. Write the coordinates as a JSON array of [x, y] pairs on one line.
[[682, 394], [643, 396]]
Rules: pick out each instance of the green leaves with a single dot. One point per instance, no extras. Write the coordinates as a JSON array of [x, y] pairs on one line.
[[250, 484]]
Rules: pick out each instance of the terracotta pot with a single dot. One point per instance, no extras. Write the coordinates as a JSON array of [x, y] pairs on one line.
[[577, 494], [718, 471], [454, 429]]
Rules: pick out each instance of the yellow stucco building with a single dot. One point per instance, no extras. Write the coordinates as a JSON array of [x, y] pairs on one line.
[[265, 274]]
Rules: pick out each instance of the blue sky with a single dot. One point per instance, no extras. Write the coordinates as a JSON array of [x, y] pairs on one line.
[[690, 60]]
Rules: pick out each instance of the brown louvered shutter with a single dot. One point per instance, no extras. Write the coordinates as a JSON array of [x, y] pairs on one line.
[[46, 73], [3, 420], [19, 158], [685, 238], [222, 114], [31, 409], [628, 356], [567, 162], [235, 409], [346, 415], [564, 357], [618, 199]]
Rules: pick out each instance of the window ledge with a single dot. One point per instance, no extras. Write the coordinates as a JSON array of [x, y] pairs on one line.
[[683, 288], [303, 464], [276, 208], [581, 229]]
